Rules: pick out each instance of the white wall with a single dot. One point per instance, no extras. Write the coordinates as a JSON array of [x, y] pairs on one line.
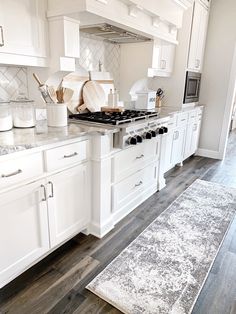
[[216, 91]]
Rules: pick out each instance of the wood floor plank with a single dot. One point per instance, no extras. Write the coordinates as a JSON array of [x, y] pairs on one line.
[[68, 304], [53, 293], [218, 299]]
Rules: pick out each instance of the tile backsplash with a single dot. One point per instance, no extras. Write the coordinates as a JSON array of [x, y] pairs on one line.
[[93, 50], [12, 81]]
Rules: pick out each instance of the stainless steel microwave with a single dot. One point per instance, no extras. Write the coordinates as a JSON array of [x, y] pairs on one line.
[[192, 87]]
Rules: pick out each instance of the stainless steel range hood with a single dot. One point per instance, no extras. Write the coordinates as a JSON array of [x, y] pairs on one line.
[[113, 33]]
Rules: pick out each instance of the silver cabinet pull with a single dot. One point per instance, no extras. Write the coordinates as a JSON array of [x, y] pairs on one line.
[[2, 37], [44, 193], [138, 184], [11, 174], [176, 135], [139, 157], [71, 155], [52, 190], [163, 64], [197, 63]]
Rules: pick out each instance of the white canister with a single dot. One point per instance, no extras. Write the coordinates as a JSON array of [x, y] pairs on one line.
[[146, 100], [57, 114], [23, 112], [5, 116]]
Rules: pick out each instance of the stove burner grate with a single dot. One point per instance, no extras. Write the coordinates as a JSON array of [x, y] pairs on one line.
[[114, 118]]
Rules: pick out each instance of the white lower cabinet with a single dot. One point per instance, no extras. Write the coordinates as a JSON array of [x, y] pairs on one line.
[[168, 154], [38, 216], [130, 189], [23, 229], [174, 147], [68, 203], [182, 137], [178, 145]]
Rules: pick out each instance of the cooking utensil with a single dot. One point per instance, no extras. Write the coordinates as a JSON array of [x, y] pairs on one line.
[[43, 89], [56, 78], [68, 93], [52, 93], [159, 92], [60, 94], [94, 96]]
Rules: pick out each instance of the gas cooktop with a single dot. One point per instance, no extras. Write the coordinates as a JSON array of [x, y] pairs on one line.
[[114, 118]]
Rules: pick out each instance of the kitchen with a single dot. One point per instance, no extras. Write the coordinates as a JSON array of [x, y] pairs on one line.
[[84, 191]]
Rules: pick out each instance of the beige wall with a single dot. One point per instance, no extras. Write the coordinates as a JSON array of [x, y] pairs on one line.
[[217, 71]]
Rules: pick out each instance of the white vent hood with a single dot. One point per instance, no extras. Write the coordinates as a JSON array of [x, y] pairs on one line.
[[152, 18]]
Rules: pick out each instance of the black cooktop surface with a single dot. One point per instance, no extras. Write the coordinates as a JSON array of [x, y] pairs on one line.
[[114, 118]]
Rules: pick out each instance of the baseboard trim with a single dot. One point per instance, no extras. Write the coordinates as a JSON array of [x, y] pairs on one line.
[[100, 231], [209, 153]]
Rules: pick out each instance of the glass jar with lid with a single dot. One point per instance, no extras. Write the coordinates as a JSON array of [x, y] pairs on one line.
[[5, 116], [23, 112]]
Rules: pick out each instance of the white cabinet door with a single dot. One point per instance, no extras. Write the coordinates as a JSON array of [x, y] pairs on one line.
[[188, 141], [178, 145], [198, 37], [167, 156], [163, 58], [23, 27], [167, 57], [23, 229], [68, 203], [195, 137]]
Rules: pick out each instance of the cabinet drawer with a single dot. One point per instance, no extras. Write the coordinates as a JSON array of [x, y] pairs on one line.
[[130, 188], [63, 156], [172, 122], [20, 169], [182, 119], [135, 158]]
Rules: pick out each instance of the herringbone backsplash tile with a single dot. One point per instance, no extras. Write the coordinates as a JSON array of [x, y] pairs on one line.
[[12, 81]]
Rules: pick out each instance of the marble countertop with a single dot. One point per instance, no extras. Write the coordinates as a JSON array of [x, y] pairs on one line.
[[22, 139]]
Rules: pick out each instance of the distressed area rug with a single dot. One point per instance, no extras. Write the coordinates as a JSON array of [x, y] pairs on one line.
[[164, 268]]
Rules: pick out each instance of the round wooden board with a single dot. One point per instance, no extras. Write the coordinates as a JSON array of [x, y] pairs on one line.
[[94, 96]]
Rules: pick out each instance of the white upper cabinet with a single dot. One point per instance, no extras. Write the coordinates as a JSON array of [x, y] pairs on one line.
[[23, 32], [162, 59], [198, 37]]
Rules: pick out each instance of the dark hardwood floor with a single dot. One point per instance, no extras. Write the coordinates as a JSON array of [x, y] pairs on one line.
[[57, 284]]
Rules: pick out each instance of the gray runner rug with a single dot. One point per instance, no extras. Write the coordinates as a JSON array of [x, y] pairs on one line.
[[163, 270]]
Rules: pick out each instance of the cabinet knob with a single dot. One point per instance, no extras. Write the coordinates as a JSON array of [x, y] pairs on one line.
[[139, 138], [153, 133], [148, 135], [132, 141]]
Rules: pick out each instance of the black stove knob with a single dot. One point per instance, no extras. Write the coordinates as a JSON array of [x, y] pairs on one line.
[[139, 139], [133, 141], [165, 129], [153, 133], [161, 131], [148, 135]]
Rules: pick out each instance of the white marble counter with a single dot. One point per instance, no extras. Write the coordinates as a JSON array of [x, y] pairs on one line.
[[22, 139]]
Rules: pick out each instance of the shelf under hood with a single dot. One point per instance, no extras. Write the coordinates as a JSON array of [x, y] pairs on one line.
[[113, 33]]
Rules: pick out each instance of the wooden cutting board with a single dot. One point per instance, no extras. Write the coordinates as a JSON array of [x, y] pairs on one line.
[[75, 81], [94, 96]]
